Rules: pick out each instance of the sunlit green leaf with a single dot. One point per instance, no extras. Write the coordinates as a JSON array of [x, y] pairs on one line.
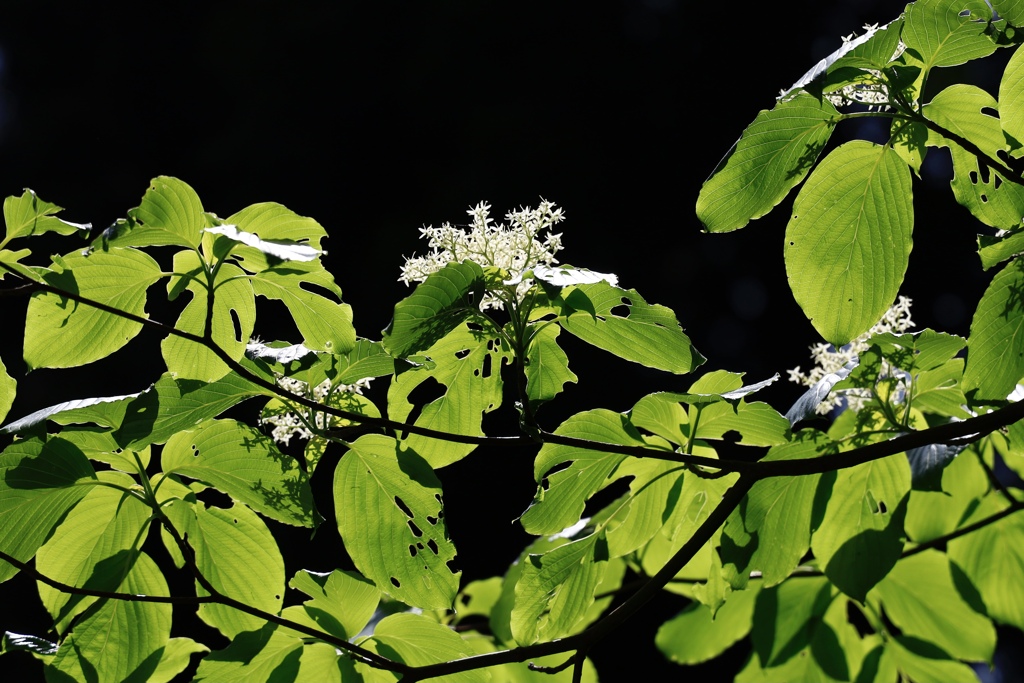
[[773, 155], [621, 322], [563, 494], [918, 595], [381, 492], [849, 238], [271, 221], [692, 636], [931, 514], [174, 657], [62, 333], [95, 547], [646, 509], [860, 538], [247, 465], [418, 641], [263, 654], [992, 558], [341, 603], [467, 362], [995, 349], [1011, 86], [555, 590], [547, 366], [118, 640], [994, 249], [29, 215], [8, 389], [923, 662], [435, 308], [938, 34], [39, 483], [170, 214]]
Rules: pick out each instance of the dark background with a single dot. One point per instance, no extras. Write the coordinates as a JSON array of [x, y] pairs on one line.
[[378, 118]]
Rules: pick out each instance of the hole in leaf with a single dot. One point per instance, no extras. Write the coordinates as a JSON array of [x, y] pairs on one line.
[[432, 520], [415, 529], [464, 599], [427, 391], [462, 354], [237, 324], [476, 327], [973, 175], [882, 508], [412, 550], [487, 366], [453, 565], [964, 13], [318, 290], [419, 545], [235, 521], [997, 181], [432, 545], [403, 507], [395, 582], [989, 111], [545, 484], [622, 310], [437, 496]]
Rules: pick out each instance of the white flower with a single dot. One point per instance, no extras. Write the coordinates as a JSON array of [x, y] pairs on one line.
[[515, 247], [287, 424], [829, 360]]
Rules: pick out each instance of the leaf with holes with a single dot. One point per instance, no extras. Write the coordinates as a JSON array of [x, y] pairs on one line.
[[849, 238], [621, 322], [391, 517], [325, 325], [118, 640], [964, 110], [170, 214], [938, 33], [772, 156], [581, 472], [467, 366], [234, 315], [39, 483], [277, 223], [436, 307], [63, 333], [247, 465], [860, 537]]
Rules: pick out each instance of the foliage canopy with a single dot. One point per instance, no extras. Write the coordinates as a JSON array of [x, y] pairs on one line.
[[875, 546]]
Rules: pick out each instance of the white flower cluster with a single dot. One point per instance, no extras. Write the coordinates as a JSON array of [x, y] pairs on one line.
[[515, 247], [829, 360], [287, 424]]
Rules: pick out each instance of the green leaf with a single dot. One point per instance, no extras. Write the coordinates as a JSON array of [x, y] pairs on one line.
[[381, 492], [758, 424], [992, 558], [931, 514], [246, 464], [645, 510], [341, 603], [467, 362], [11, 258], [173, 405], [994, 249], [1010, 10], [29, 215], [692, 636], [95, 547], [771, 157], [106, 411], [435, 308], [277, 223], [923, 662], [1011, 86], [267, 654], [235, 551], [849, 238], [39, 483], [786, 617], [61, 333], [277, 250], [170, 214], [233, 304], [118, 640], [562, 495], [555, 590], [771, 530], [325, 325], [547, 366], [919, 596], [621, 322], [8, 389], [174, 657], [937, 34], [417, 641], [990, 197], [995, 349], [860, 538]]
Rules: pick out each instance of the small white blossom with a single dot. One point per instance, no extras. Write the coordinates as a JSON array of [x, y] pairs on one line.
[[287, 424], [514, 247], [829, 360]]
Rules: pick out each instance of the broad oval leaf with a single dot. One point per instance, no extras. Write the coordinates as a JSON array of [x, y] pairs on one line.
[[8, 389], [247, 465], [848, 241], [418, 640], [771, 157], [170, 214], [940, 33], [1011, 94], [63, 333], [693, 636], [29, 215], [390, 515], [995, 349], [547, 366]]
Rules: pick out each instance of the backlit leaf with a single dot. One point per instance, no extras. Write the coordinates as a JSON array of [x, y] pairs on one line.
[[692, 636], [938, 34], [995, 349], [547, 366]]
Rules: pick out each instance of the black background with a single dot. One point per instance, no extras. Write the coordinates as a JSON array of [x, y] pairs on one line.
[[378, 118]]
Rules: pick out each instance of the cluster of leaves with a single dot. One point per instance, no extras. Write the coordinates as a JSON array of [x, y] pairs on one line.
[[865, 549]]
